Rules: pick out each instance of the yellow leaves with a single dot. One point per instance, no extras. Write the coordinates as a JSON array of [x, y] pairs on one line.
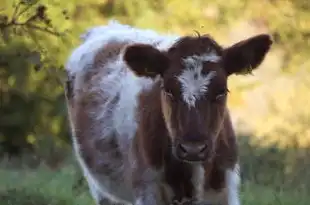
[[31, 139], [287, 120], [235, 99], [55, 125], [11, 80]]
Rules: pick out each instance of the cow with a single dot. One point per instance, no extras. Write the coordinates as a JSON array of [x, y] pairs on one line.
[[149, 117]]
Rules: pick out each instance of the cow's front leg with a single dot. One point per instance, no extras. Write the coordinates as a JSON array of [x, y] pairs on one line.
[[148, 195], [232, 185], [191, 202], [146, 187], [229, 195]]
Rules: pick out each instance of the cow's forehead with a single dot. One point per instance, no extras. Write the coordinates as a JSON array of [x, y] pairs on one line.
[[192, 62], [193, 81], [187, 46]]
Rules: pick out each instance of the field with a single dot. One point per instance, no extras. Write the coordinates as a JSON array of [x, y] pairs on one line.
[[43, 186]]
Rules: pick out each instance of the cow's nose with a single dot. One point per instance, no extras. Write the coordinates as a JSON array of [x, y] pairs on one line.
[[192, 149], [192, 152]]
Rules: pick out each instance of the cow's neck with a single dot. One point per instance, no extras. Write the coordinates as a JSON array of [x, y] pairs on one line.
[[156, 145], [152, 134]]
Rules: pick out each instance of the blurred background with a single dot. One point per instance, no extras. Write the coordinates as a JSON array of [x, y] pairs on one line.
[[270, 109]]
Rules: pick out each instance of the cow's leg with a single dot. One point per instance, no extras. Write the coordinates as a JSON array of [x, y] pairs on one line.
[[99, 195], [105, 200], [223, 187], [232, 178], [95, 192], [145, 182], [146, 187]]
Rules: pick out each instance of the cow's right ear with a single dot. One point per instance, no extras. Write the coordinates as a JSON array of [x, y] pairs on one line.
[[145, 60], [246, 55]]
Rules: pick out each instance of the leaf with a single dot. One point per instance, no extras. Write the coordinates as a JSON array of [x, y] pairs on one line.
[[31, 139], [29, 2], [34, 58], [5, 34], [3, 19]]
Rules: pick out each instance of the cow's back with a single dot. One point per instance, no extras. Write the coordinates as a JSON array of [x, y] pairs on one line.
[[102, 100]]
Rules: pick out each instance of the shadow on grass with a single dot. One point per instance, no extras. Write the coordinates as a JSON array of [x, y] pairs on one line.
[[274, 167], [22, 197]]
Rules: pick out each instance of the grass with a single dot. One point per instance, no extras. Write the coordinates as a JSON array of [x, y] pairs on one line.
[[46, 187], [42, 187]]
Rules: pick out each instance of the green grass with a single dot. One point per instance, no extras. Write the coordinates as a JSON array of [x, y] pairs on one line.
[[46, 187], [42, 187]]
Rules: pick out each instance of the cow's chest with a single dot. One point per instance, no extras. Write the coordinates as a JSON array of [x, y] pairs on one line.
[[179, 180]]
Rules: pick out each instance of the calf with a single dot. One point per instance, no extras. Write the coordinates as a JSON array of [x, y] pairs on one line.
[[149, 118]]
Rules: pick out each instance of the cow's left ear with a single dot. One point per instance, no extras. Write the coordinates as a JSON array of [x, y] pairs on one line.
[[246, 55], [146, 60]]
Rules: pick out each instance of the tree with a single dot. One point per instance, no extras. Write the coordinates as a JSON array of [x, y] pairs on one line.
[[32, 101]]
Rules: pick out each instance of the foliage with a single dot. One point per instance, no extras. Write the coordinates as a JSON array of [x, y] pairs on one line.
[[30, 77]]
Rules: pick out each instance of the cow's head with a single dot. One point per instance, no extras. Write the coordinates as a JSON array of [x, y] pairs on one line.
[[194, 73]]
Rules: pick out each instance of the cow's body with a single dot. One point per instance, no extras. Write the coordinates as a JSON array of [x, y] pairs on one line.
[[112, 120], [108, 104]]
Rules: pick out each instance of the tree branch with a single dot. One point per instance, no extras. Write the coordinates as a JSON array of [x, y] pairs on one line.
[[40, 14], [15, 13]]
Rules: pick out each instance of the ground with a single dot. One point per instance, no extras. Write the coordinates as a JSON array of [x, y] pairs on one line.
[[46, 187]]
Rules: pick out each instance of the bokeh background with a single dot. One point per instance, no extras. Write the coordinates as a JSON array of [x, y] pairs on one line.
[[270, 109]]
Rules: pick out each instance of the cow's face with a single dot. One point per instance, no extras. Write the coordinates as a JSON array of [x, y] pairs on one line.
[[194, 73]]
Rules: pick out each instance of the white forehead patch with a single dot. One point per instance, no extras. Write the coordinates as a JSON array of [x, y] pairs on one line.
[[194, 84]]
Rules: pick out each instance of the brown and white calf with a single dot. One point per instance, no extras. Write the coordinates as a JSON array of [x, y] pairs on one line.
[[149, 117]]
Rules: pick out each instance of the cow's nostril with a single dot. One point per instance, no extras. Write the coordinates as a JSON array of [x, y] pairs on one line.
[[183, 148], [192, 149], [202, 148]]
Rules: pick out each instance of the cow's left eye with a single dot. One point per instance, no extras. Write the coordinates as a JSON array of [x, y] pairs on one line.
[[169, 94], [221, 95]]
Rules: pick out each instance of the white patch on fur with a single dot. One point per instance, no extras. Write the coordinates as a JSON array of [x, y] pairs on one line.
[[196, 59], [138, 202], [198, 180], [120, 83], [194, 83], [149, 195], [119, 80], [233, 181], [97, 191], [97, 37]]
